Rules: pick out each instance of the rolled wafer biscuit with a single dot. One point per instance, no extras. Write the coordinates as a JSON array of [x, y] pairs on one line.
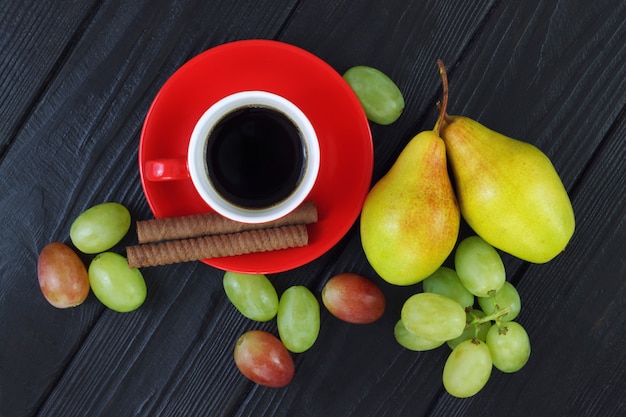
[[206, 247], [184, 227]]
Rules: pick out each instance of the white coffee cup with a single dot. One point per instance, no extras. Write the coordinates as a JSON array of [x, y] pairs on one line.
[[241, 171]]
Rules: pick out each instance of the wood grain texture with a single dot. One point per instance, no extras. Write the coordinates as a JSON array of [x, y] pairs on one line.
[[27, 63], [79, 147], [76, 82]]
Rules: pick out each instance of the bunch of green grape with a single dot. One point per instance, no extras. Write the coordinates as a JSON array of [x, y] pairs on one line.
[[480, 338]]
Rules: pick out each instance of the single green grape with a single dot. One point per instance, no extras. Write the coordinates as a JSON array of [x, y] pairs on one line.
[[298, 318], [510, 348], [411, 341], [100, 227], [252, 294], [479, 266], [467, 369], [433, 316], [380, 97], [115, 284], [506, 296], [445, 281], [470, 332]]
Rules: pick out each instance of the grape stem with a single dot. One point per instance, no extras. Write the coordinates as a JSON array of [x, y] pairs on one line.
[[495, 316]]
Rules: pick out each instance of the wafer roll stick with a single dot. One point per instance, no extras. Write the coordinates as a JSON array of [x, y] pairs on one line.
[[184, 227], [206, 247]]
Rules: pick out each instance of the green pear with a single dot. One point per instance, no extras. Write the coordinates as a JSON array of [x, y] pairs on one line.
[[509, 192], [410, 218]]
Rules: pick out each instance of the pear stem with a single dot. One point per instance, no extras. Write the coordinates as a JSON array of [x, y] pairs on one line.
[[444, 104]]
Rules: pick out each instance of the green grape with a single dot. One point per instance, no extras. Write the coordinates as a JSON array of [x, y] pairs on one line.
[[445, 281], [380, 97], [470, 332], [298, 318], [100, 227], [411, 341], [467, 369], [252, 294], [510, 348], [479, 266], [506, 296], [433, 316], [117, 286]]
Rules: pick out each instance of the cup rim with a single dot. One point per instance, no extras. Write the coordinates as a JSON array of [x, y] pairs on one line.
[[197, 162]]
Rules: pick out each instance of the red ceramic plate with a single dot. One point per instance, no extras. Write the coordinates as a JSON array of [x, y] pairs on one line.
[[320, 92]]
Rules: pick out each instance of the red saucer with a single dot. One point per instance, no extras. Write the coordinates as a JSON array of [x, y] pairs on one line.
[[320, 92]]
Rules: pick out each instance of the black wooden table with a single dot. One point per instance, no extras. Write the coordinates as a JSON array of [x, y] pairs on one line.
[[76, 81]]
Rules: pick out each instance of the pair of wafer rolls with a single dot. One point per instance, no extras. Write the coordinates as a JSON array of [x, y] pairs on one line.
[[205, 236]]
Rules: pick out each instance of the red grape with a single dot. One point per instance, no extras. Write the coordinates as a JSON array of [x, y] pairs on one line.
[[353, 298], [62, 275], [263, 359]]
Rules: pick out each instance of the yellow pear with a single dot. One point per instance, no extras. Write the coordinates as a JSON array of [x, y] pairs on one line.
[[509, 191], [410, 218]]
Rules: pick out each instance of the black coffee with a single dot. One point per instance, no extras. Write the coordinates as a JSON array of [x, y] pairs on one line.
[[255, 157]]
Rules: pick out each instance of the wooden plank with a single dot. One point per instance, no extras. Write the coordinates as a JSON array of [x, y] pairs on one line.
[[78, 147], [547, 73], [521, 108], [552, 74], [27, 63], [174, 355], [193, 374]]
